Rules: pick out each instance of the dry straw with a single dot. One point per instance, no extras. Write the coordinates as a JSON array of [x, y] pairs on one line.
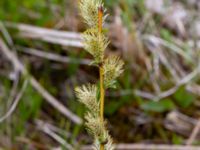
[[92, 96]]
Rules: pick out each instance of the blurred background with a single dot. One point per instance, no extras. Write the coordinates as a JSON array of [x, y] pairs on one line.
[[42, 60]]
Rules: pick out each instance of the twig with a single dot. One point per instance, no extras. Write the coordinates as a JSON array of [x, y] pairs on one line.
[[54, 102], [180, 123], [44, 127], [53, 128], [144, 94], [149, 147], [194, 88], [193, 134], [52, 56], [47, 96], [15, 103]]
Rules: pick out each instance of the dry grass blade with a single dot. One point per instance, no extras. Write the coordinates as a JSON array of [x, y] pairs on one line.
[[54, 57], [171, 46], [47, 96], [158, 96], [16, 101], [44, 127], [194, 134], [48, 35], [149, 147]]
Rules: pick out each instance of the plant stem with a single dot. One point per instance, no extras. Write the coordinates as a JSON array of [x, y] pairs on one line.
[[100, 18], [102, 91]]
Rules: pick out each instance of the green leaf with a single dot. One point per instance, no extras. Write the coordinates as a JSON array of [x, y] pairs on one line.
[[184, 98], [112, 107], [176, 139], [160, 106], [166, 34], [110, 3], [31, 104]]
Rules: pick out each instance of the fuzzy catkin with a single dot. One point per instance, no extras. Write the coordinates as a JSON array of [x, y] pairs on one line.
[[95, 42]]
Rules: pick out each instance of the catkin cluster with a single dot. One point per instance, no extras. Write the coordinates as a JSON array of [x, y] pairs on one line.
[[95, 42]]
